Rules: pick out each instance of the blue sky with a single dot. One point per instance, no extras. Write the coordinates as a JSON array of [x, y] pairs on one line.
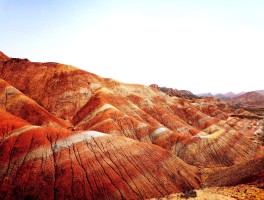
[[202, 46]]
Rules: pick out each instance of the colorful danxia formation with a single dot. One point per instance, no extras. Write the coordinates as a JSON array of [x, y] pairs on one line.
[[69, 134]]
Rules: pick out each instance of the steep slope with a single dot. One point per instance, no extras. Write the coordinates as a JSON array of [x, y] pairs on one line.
[[87, 165], [61, 89], [9, 123], [15, 102], [219, 149], [247, 172], [3, 57], [107, 112]]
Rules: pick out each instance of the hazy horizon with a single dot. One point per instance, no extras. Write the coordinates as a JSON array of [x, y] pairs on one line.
[[201, 46]]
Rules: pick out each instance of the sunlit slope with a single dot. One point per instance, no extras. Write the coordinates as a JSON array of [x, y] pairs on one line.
[[85, 165], [79, 135]]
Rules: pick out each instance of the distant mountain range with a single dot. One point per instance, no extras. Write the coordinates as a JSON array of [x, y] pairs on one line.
[[228, 95], [252, 98], [247, 99]]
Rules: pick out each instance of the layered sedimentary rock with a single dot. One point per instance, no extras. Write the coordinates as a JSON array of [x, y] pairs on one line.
[[85, 165], [78, 135], [16, 103], [250, 171]]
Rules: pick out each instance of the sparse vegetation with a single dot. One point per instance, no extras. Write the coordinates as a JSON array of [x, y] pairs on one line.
[[189, 194]]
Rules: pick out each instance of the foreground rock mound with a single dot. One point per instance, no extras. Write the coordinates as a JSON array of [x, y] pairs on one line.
[[86, 165]]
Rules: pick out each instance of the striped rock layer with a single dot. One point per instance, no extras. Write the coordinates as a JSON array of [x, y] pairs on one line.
[[69, 134]]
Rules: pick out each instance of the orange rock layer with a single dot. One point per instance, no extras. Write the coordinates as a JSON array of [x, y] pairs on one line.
[[67, 133]]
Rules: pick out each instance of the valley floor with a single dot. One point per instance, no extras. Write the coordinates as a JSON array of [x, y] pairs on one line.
[[221, 193]]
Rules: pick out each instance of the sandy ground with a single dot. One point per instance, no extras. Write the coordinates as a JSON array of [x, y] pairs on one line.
[[247, 192]]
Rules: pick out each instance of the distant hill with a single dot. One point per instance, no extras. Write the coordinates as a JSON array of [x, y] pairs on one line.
[[230, 94], [260, 91], [224, 96], [205, 94], [175, 92], [249, 99]]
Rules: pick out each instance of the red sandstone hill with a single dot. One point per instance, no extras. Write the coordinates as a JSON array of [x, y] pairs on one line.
[[249, 99], [70, 134], [3, 57]]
